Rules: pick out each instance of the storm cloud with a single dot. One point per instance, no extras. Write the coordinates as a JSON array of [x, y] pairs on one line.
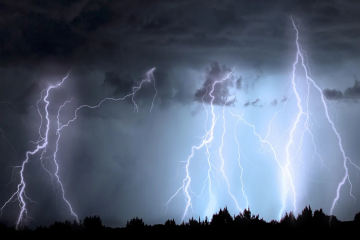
[[274, 102], [350, 93], [221, 89], [333, 94]]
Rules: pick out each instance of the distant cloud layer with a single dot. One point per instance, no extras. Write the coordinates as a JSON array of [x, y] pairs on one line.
[[351, 93]]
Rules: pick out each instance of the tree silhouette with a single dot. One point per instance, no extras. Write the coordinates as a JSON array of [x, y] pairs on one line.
[[274, 223], [223, 218], [243, 219], [170, 223], [75, 226], [135, 223], [333, 221], [61, 227], [2, 227], [288, 220], [305, 219], [93, 223], [357, 218], [194, 223], [206, 222], [320, 219]]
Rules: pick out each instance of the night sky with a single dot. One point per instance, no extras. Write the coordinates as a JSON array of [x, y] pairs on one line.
[[118, 163]]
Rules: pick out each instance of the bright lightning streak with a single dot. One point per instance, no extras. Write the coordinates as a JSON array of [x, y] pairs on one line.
[[20, 193], [208, 139], [307, 129], [241, 168], [270, 124], [291, 141], [43, 142], [222, 159], [59, 128], [57, 166], [283, 170], [41, 138], [345, 158], [212, 199]]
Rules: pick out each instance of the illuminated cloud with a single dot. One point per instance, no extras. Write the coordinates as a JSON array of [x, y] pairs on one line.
[[221, 91]]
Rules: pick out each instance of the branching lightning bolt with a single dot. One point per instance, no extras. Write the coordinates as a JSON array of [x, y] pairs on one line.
[[265, 141], [239, 162], [57, 166], [345, 158], [223, 162], [206, 141], [20, 194], [42, 143], [59, 128], [135, 89]]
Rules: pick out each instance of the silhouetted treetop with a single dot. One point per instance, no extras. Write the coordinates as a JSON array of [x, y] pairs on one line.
[[135, 223], [93, 223]]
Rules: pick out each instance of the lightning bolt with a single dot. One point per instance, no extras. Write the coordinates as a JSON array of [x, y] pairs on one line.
[[135, 89], [208, 178], [291, 141], [57, 165], [223, 162], [149, 77], [345, 158], [285, 176], [20, 194], [206, 141], [239, 162], [43, 141]]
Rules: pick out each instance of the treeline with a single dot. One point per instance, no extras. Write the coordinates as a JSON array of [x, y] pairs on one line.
[[307, 218]]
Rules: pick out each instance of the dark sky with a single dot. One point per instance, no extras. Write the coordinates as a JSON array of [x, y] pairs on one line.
[[119, 164]]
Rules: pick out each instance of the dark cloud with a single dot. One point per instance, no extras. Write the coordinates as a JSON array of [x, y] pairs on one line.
[[37, 37], [255, 102], [333, 94], [94, 16], [88, 30], [351, 93], [221, 90], [244, 84], [238, 83], [122, 85], [274, 102], [169, 90], [258, 75], [284, 99]]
